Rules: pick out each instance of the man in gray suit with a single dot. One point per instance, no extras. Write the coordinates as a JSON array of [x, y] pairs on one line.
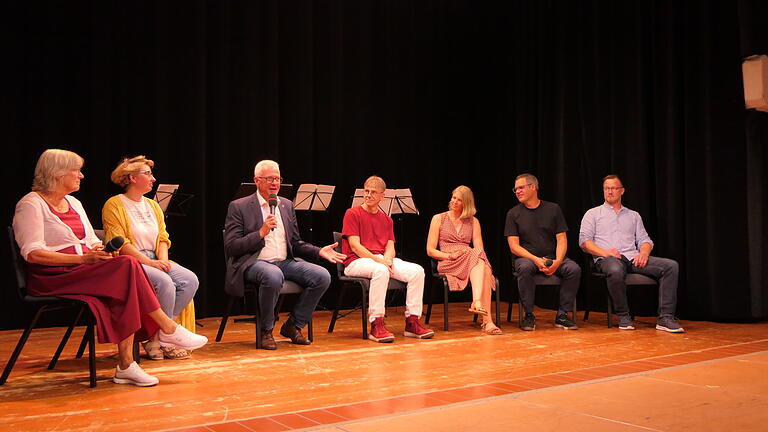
[[261, 242]]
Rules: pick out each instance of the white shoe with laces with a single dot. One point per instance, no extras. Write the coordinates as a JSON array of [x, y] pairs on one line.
[[182, 338], [135, 375]]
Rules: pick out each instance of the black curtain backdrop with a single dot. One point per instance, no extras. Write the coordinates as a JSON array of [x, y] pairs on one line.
[[427, 94]]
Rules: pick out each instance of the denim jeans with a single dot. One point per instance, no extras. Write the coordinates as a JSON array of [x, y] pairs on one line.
[[269, 277], [174, 289], [569, 272], [664, 270]]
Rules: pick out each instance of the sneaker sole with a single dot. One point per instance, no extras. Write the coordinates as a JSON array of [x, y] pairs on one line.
[[573, 327], [187, 347], [667, 329], [528, 328], [117, 380], [381, 340], [627, 328], [423, 336]]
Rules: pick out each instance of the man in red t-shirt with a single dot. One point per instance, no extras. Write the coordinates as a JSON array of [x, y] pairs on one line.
[[369, 243]]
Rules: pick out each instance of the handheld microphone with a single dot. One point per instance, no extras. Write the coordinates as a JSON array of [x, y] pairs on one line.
[[272, 204], [114, 244], [548, 262]]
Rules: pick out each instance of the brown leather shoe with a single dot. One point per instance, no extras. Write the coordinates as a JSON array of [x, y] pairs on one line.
[[291, 332], [268, 341]]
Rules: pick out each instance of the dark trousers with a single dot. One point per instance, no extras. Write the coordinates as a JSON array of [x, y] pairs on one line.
[[569, 272], [663, 270], [269, 277]]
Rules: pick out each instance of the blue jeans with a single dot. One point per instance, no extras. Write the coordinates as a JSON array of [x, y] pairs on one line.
[[663, 270], [269, 277], [174, 289], [569, 272]]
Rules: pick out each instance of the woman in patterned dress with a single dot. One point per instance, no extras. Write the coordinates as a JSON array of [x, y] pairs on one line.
[[456, 242]]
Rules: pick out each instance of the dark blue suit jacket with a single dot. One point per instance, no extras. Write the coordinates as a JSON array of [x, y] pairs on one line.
[[242, 242]]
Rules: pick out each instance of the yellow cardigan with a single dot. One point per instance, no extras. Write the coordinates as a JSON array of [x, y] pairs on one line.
[[116, 222]]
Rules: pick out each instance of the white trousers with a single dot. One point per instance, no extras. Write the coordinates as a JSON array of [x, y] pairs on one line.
[[408, 272]]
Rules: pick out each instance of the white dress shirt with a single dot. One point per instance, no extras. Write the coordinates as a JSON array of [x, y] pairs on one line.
[[275, 246]]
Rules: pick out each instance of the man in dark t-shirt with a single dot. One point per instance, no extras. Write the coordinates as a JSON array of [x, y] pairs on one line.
[[535, 231]]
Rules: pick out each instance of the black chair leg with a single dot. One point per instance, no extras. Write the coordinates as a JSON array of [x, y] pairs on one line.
[[65, 339], [498, 304], [83, 344], [430, 300], [257, 321], [335, 315], [225, 317], [20, 346], [445, 305], [310, 331], [509, 311], [609, 308], [364, 313], [136, 352], [92, 354]]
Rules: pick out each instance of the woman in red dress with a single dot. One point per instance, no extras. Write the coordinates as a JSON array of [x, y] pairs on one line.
[[456, 242], [66, 259]]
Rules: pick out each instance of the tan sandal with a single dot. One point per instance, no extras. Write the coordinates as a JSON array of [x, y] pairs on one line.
[[490, 328], [477, 307], [173, 353], [152, 348]]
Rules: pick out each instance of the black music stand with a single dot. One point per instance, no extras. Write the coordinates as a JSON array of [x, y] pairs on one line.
[[172, 202], [313, 197]]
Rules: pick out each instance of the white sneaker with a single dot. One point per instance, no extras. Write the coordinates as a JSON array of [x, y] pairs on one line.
[[134, 375], [182, 338]]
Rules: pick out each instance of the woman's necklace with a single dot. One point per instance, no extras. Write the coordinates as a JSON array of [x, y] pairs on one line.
[[62, 207]]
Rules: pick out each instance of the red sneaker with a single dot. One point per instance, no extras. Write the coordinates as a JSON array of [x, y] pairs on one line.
[[379, 332], [415, 330]]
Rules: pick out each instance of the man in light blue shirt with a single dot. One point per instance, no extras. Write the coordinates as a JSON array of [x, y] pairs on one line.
[[615, 236]]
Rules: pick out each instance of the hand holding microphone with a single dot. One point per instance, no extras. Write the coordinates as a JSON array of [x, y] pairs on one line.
[[115, 243]]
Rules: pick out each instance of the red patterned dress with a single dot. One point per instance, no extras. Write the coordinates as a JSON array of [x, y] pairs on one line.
[[117, 290], [458, 270]]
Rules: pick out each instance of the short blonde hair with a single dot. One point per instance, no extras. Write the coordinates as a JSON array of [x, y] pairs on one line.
[[54, 163], [467, 200], [262, 165], [121, 176], [376, 182]]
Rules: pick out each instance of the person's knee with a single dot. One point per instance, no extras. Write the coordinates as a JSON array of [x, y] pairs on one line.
[[612, 267], [379, 271], [524, 266], [571, 269], [323, 278]]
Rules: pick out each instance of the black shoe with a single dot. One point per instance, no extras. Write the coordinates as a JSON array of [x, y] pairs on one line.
[[267, 341], [291, 332], [562, 321], [529, 322]]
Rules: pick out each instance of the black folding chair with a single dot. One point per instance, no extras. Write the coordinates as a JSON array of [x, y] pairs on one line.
[[539, 279], [438, 278], [631, 279], [289, 287], [42, 304], [363, 283]]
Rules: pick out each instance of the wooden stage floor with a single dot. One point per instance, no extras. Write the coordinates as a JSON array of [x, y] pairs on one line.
[[594, 378]]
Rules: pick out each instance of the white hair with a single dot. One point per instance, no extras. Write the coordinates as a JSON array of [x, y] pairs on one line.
[[54, 163], [262, 165]]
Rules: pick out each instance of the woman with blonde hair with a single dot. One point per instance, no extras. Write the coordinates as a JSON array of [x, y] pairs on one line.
[[456, 242], [66, 259], [140, 221]]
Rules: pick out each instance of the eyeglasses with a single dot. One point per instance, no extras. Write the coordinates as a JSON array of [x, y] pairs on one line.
[[519, 188], [613, 188], [271, 179], [371, 192]]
